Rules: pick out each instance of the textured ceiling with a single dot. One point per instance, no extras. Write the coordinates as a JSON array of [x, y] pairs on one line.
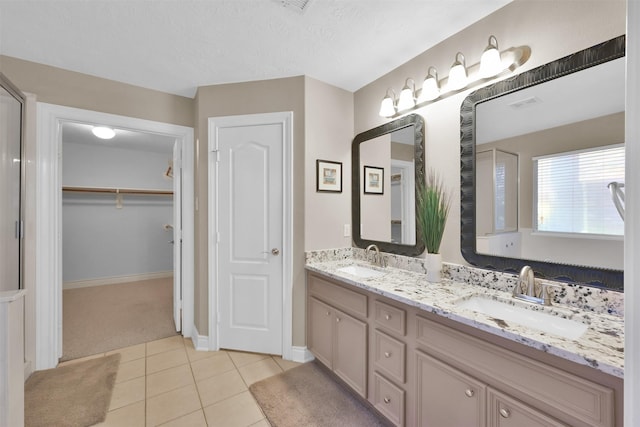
[[176, 46]]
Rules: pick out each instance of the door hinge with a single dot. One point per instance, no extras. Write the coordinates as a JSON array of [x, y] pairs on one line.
[[217, 153]]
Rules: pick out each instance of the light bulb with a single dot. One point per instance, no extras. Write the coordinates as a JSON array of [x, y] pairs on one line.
[[457, 74], [387, 107], [490, 62], [430, 86], [407, 98], [103, 132]]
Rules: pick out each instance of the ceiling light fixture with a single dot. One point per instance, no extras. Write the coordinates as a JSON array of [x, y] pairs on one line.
[[493, 63], [103, 132]]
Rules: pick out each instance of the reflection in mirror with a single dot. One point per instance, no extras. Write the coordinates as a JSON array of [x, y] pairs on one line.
[[547, 144], [387, 162]]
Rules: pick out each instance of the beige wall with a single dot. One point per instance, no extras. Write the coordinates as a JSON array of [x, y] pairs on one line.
[[328, 136], [552, 29], [61, 87]]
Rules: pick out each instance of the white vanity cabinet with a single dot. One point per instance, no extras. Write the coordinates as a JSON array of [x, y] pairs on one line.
[[419, 370], [335, 335]]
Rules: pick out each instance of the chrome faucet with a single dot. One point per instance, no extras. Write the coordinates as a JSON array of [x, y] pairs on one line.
[[377, 258], [528, 289]]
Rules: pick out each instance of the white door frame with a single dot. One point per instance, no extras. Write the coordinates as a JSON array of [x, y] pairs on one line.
[[214, 123], [48, 286]]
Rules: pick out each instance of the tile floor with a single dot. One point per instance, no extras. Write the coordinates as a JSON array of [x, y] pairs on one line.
[[168, 383]]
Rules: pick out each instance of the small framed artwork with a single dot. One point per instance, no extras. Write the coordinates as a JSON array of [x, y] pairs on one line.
[[373, 180], [328, 176]]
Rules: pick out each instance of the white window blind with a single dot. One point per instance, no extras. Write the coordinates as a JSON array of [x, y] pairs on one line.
[[571, 194]]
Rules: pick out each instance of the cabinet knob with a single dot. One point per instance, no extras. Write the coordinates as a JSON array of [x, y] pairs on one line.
[[469, 392], [387, 400], [328, 313], [387, 354], [505, 413], [337, 319], [387, 316]]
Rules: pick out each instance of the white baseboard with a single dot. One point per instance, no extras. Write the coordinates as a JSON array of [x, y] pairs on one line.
[[301, 354], [116, 280], [200, 342]]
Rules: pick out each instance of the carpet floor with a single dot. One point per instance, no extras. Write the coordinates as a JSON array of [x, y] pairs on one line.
[[308, 396], [103, 318], [76, 395]]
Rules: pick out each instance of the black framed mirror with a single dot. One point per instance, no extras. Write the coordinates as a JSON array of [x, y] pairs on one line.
[[387, 163], [505, 168]]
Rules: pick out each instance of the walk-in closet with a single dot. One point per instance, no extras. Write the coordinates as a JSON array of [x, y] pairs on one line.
[[117, 239]]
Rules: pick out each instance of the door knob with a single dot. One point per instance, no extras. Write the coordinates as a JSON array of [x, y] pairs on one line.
[[275, 251]]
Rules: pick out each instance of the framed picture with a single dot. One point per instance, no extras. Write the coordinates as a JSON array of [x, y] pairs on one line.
[[373, 180], [328, 176]]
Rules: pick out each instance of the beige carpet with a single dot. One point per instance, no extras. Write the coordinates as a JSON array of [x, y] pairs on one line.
[[103, 318], [308, 396], [76, 395]]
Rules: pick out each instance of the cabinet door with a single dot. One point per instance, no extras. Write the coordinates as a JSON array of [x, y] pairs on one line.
[[320, 331], [447, 397], [350, 351], [505, 411]]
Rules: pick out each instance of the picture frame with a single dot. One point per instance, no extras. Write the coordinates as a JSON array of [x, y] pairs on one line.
[[373, 180], [328, 176]]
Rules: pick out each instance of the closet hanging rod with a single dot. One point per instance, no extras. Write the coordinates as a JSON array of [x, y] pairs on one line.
[[144, 191]]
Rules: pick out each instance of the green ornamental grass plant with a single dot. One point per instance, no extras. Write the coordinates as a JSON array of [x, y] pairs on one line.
[[433, 208]]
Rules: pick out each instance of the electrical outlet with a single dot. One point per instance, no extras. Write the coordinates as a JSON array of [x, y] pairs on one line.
[[347, 230]]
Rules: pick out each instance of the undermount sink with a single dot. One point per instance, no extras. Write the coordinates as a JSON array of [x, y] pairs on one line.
[[361, 271], [507, 311]]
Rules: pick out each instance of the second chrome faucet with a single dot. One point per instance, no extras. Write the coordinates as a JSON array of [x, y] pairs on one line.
[[528, 289], [378, 259]]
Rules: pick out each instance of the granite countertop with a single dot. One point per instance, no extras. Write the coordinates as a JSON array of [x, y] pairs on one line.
[[601, 346]]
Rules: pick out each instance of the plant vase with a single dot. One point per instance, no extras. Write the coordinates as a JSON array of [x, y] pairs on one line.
[[433, 264]]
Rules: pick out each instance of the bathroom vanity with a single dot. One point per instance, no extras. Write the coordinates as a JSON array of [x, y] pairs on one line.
[[422, 358]]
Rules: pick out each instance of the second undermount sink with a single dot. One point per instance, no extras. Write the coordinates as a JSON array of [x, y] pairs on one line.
[[361, 271], [509, 312]]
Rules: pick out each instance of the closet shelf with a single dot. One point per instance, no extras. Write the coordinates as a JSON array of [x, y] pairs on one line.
[[143, 191]]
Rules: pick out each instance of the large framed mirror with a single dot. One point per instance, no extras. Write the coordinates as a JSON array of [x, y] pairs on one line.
[[542, 170], [387, 163]]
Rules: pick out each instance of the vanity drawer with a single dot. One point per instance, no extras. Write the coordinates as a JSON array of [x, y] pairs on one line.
[[391, 318], [388, 399], [389, 356], [556, 392], [338, 296]]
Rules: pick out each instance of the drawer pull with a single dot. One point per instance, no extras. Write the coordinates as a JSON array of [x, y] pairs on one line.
[[328, 313], [469, 393], [337, 320], [505, 413], [387, 316], [387, 354], [387, 400]]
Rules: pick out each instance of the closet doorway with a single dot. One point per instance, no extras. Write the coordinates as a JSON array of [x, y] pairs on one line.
[[56, 184], [119, 243]]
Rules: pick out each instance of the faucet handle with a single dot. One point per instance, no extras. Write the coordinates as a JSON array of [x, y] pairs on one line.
[[548, 292]]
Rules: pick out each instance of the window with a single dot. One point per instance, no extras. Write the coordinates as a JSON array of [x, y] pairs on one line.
[[571, 193]]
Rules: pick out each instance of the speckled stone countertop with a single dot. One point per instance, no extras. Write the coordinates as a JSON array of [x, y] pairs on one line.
[[600, 347]]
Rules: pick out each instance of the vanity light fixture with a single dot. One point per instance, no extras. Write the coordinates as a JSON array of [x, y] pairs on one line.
[[493, 63], [430, 86], [407, 95], [103, 132], [458, 73], [388, 105]]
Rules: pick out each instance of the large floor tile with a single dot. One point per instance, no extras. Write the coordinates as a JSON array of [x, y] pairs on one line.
[[128, 416], [237, 411], [262, 423], [130, 370], [165, 344], [194, 419], [82, 359], [172, 405], [127, 392], [220, 387], [133, 352], [259, 370], [216, 364], [285, 364], [241, 358], [166, 360], [168, 380]]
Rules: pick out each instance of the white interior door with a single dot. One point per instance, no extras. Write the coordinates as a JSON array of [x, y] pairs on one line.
[[177, 237], [249, 189]]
